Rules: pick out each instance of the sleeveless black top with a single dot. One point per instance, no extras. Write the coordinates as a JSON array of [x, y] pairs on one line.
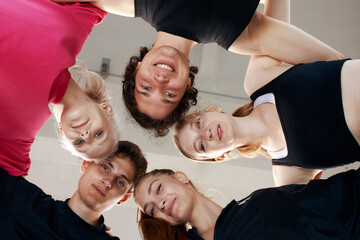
[[309, 104], [203, 21]]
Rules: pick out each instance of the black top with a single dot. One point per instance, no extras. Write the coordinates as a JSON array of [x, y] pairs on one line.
[[323, 209], [203, 21], [309, 104], [26, 212]]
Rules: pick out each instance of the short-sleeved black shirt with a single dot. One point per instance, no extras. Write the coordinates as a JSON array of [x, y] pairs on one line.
[[322, 210], [203, 21], [26, 212]]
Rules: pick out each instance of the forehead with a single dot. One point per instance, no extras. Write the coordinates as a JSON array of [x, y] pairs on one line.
[[153, 106], [123, 166]]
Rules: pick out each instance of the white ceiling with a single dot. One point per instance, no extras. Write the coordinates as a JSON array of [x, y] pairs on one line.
[[220, 82]]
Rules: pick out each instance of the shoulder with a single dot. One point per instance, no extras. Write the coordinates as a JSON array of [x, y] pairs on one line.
[[262, 70]]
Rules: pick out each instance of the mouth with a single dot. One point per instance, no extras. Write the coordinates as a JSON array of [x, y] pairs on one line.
[[80, 125], [219, 131], [171, 207], [98, 190], [167, 66]]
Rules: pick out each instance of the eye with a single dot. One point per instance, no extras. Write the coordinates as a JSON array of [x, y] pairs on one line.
[[152, 211], [98, 134], [158, 189], [198, 124], [146, 87], [121, 182], [78, 142], [202, 146], [105, 168], [169, 94]]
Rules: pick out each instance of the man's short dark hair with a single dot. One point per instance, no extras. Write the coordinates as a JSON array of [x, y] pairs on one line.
[[126, 149], [161, 127]]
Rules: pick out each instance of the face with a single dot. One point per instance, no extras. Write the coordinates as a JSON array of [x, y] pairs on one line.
[[161, 81], [102, 184], [88, 129], [166, 197], [208, 135]]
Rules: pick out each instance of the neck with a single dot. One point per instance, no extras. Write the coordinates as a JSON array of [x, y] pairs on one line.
[[250, 129], [183, 45], [85, 213], [204, 216]]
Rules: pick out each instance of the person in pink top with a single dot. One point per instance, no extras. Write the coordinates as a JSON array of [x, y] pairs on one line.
[[39, 41]]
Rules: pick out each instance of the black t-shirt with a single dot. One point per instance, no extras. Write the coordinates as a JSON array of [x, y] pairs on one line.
[[309, 104], [323, 209], [203, 21], [26, 212]]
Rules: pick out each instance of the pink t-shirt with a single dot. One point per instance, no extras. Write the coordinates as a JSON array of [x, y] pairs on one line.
[[39, 40]]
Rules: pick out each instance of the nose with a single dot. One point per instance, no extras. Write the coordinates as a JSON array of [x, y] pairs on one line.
[[207, 134], [106, 183], [161, 204], [85, 134], [161, 78]]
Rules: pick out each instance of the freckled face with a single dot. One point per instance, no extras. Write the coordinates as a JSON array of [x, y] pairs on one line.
[[166, 197], [88, 129], [208, 136], [161, 81], [103, 184]]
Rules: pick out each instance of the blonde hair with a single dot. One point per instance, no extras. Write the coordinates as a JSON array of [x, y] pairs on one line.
[[93, 86], [249, 150]]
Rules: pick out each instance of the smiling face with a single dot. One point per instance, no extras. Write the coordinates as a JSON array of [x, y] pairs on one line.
[[102, 185], [166, 197], [161, 81], [208, 135], [88, 129]]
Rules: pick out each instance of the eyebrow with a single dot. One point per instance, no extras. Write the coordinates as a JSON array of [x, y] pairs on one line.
[[149, 190], [164, 100], [121, 175]]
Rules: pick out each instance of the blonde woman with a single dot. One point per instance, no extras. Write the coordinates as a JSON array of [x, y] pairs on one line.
[[304, 117], [39, 41]]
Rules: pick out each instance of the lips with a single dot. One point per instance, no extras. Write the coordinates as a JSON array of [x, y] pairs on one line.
[[171, 207], [165, 65], [219, 131], [80, 125], [98, 190]]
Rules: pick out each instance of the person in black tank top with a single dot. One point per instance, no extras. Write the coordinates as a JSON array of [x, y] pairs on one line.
[[158, 84], [323, 209], [310, 122]]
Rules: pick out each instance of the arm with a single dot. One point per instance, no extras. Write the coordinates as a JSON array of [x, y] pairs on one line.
[[266, 35], [285, 175], [119, 7], [263, 68]]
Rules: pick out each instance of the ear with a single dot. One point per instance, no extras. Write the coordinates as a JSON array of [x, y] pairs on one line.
[[107, 108], [84, 165], [138, 65], [189, 84], [223, 157], [214, 109], [182, 177], [60, 129], [125, 198]]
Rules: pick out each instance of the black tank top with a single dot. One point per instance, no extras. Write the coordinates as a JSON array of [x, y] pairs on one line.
[[203, 21], [309, 104]]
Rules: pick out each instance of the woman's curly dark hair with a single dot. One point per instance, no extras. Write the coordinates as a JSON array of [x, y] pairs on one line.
[[161, 127]]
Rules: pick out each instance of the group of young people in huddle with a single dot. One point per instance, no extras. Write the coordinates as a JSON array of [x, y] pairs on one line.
[[290, 74]]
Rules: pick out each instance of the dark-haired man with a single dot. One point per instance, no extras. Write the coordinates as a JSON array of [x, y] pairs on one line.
[[26, 212]]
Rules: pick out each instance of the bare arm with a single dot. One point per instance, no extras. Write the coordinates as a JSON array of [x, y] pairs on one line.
[[119, 7], [263, 68], [285, 175]]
